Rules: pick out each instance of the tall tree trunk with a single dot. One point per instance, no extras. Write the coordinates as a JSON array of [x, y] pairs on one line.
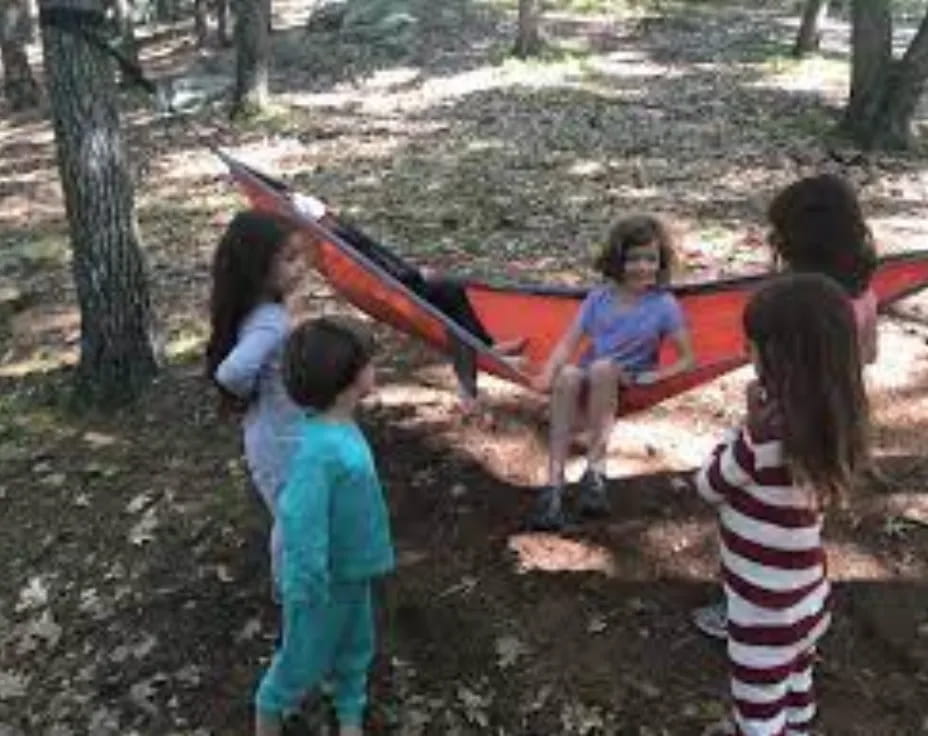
[[528, 41], [223, 21], [884, 91], [252, 45], [809, 37], [200, 22], [16, 31], [871, 64], [117, 357]]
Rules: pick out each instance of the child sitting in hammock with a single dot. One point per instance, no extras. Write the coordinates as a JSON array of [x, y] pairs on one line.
[[447, 295], [625, 320]]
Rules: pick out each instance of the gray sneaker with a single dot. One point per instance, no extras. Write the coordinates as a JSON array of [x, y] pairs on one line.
[[593, 501], [548, 513], [712, 620]]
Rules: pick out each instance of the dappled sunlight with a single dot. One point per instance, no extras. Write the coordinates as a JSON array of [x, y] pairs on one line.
[[538, 552], [850, 561], [680, 548]]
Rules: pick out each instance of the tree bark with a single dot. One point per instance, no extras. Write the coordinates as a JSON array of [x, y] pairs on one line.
[[528, 40], [884, 91], [200, 22], [117, 358], [809, 37], [871, 64], [252, 42], [16, 30]]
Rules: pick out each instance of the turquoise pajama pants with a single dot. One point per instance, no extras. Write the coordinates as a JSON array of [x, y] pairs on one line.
[[335, 640]]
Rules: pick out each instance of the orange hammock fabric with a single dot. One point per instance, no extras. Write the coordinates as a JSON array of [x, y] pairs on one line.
[[542, 314]]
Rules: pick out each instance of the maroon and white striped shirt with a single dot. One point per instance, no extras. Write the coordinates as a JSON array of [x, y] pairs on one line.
[[772, 556]]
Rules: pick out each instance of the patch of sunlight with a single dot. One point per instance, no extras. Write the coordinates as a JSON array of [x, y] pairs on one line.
[[850, 561], [679, 546], [185, 346], [901, 359], [38, 364], [586, 168], [38, 249], [627, 63], [406, 394], [816, 75], [386, 80], [482, 145], [186, 164], [37, 133], [552, 553]]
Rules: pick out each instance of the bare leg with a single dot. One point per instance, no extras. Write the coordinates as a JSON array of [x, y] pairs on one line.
[[564, 400], [604, 385]]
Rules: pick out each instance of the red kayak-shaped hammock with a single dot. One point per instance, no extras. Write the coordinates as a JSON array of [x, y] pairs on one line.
[[541, 314]]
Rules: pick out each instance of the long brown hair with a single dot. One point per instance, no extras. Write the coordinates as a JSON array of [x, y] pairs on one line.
[[242, 266], [802, 326], [819, 227]]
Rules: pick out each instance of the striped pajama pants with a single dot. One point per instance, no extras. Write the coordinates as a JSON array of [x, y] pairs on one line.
[[771, 684]]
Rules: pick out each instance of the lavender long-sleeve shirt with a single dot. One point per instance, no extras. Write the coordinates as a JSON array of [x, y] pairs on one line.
[[252, 370]]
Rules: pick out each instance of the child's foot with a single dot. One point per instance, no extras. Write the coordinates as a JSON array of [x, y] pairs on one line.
[[548, 514], [712, 620], [593, 500]]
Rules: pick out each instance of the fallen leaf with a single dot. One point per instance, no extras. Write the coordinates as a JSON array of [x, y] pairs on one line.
[[508, 651], [250, 630], [12, 685], [34, 595]]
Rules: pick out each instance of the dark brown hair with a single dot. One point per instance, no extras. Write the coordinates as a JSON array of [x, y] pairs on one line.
[[819, 227], [633, 232], [322, 358], [242, 266], [803, 328]]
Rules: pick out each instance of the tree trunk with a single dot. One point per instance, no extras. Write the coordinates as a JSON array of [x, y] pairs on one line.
[[893, 126], [117, 358], [809, 37], [16, 31], [125, 25], [884, 91], [871, 64], [200, 22], [252, 46], [528, 41], [223, 21]]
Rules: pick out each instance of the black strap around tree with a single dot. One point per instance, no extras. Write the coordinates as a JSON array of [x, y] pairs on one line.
[[86, 24]]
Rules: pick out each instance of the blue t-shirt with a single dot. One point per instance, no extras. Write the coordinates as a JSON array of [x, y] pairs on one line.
[[629, 334]]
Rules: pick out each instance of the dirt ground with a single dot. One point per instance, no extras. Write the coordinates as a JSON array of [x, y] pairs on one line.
[[135, 598]]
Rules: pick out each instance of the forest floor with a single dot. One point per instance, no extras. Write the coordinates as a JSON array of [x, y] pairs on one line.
[[135, 598]]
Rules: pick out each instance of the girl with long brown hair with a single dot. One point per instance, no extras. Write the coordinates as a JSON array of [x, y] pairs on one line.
[[804, 438]]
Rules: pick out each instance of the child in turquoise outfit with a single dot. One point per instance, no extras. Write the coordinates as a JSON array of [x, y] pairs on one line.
[[336, 532]]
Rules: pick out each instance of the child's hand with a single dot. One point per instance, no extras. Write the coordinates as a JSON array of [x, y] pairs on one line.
[[765, 420]]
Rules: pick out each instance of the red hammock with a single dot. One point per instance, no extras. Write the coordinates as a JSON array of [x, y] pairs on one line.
[[542, 314]]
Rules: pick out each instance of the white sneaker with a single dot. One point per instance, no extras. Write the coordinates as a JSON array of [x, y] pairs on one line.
[[712, 620]]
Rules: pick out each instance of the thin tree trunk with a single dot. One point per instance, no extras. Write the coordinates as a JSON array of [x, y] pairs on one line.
[[16, 31], [223, 21], [252, 42], [116, 354], [809, 37], [528, 41], [125, 23], [200, 22]]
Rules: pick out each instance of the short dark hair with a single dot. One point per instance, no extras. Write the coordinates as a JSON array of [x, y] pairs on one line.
[[633, 232], [819, 227], [322, 358]]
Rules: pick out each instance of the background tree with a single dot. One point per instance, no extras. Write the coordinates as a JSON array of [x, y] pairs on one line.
[[809, 37], [528, 40], [252, 48], [116, 354], [884, 90], [16, 30], [124, 17]]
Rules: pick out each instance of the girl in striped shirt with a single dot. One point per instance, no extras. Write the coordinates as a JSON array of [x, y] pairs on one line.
[[804, 437]]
